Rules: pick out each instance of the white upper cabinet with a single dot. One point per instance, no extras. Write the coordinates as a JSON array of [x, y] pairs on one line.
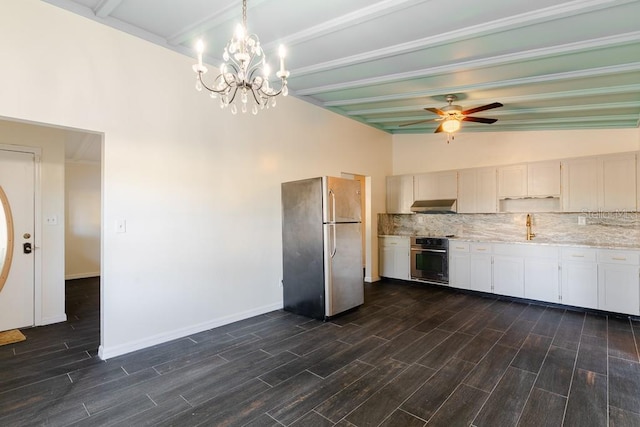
[[618, 183], [512, 181], [399, 194], [435, 186], [607, 183], [580, 184], [543, 179], [540, 179], [477, 190]]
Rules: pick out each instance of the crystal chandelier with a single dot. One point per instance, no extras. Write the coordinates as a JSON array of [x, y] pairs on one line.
[[244, 70]]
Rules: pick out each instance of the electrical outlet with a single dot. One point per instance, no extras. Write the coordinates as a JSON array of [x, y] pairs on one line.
[[582, 220]]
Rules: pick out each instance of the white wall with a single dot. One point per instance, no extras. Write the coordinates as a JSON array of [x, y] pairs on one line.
[[426, 153], [197, 187], [82, 220], [51, 142]]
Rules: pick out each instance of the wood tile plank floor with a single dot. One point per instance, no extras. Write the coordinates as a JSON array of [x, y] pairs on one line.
[[413, 355]]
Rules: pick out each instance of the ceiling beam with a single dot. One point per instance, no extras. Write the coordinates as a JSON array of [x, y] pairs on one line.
[[568, 75], [359, 16], [213, 20], [565, 49], [105, 7], [602, 91], [505, 113], [538, 16]]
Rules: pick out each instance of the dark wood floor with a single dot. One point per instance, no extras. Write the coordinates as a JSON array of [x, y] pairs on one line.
[[411, 355]]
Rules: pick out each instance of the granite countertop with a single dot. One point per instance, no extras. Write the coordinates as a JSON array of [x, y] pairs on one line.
[[550, 242]]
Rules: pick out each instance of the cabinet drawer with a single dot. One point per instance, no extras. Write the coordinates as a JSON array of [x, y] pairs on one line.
[[579, 254], [394, 241], [619, 257], [481, 248], [458, 246]]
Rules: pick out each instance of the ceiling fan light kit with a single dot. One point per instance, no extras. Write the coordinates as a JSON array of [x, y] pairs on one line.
[[244, 70], [452, 116]]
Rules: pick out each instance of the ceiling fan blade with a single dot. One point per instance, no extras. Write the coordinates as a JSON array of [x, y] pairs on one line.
[[438, 129], [482, 108], [479, 120], [435, 111], [415, 123]]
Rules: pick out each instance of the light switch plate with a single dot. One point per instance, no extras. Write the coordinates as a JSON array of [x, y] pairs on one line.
[[121, 226], [52, 220]]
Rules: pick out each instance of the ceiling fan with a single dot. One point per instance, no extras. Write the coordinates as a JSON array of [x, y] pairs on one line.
[[452, 116]]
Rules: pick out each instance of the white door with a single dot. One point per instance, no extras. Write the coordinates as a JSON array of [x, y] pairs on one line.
[[17, 179]]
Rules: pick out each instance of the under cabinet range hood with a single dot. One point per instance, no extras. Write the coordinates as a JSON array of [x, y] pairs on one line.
[[435, 206]]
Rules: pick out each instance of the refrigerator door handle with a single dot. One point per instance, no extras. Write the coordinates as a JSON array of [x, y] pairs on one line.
[[333, 243], [332, 196]]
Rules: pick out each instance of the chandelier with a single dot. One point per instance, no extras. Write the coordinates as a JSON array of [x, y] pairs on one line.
[[244, 70]]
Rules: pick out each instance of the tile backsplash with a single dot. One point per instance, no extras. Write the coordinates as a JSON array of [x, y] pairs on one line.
[[606, 229]]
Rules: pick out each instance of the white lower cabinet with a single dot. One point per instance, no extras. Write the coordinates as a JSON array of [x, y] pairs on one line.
[[603, 279], [481, 267], [579, 277], [619, 281], [394, 261], [459, 273], [542, 274], [470, 266], [508, 270]]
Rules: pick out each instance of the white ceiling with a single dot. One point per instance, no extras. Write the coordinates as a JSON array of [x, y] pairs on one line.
[[554, 64]]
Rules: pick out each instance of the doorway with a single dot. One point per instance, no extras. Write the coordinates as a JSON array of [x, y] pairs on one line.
[[365, 209], [52, 147]]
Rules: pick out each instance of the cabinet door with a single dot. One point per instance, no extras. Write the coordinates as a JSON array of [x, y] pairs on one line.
[[399, 194], [468, 191], [487, 191], [387, 261], [508, 275], [446, 185], [542, 279], [619, 288], [618, 183], [459, 264], [543, 179], [580, 185], [435, 185], [402, 261], [459, 270], [480, 273], [580, 284], [512, 181], [477, 191]]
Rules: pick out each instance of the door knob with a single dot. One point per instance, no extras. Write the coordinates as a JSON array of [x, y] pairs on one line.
[[26, 248]]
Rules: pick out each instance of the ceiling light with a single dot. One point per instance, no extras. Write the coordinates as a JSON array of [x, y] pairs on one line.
[[244, 70], [451, 125]]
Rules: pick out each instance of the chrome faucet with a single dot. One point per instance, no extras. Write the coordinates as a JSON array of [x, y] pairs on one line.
[[530, 235]]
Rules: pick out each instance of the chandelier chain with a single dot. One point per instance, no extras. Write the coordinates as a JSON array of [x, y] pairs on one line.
[[244, 14]]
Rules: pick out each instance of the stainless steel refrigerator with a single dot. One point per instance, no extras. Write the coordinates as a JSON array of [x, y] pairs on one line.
[[322, 246]]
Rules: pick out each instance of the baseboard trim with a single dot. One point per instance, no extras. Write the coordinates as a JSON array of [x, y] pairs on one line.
[[370, 279], [81, 275], [105, 353]]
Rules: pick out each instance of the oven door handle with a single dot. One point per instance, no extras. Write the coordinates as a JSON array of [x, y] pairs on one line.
[[439, 251]]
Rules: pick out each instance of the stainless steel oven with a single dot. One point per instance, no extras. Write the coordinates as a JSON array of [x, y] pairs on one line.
[[430, 259]]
